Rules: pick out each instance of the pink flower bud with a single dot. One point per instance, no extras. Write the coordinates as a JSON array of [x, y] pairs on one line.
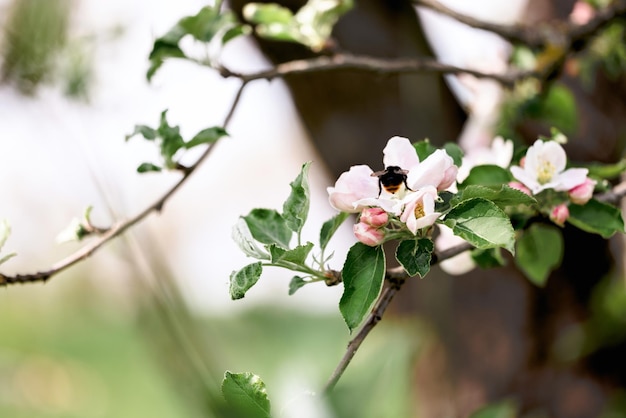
[[519, 186], [375, 217], [559, 214], [583, 192], [522, 162], [369, 235]]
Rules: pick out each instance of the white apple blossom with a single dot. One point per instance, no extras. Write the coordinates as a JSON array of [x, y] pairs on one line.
[[544, 168]]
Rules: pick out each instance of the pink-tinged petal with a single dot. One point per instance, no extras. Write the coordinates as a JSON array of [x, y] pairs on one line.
[[582, 193], [526, 179], [388, 205], [431, 171], [449, 177], [570, 178], [559, 214], [368, 235], [519, 186], [399, 152], [352, 186], [426, 199], [459, 264], [376, 217]]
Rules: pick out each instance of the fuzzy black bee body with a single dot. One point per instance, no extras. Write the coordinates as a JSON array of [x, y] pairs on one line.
[[391, 179]]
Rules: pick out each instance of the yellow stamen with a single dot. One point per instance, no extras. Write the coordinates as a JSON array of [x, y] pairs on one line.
[[419, 211], [545, 172]]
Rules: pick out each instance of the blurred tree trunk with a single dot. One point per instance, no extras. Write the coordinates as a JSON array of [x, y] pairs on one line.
[[497, 332]]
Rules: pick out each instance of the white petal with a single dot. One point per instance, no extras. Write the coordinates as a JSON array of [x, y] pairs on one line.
[[399, 152]]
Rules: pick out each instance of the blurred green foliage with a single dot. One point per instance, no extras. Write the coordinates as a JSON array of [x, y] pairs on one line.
[[75, 351]]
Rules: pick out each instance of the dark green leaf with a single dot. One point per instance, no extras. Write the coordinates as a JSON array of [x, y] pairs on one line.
[[241, 281], [415, 255], [482, 223], [171, 140], [143, 130], [165, 47], [268, 227], [444, 203], [296, 207], [363, 274], [203, 25], [147, 167], [296, 283], [455, 152], [246, 395], [424, 149], [488, 258], [296, 255], [539, 251], [487, 175], [596, 217], [502, 195], [234, 32], [330, 227], [206, 136]]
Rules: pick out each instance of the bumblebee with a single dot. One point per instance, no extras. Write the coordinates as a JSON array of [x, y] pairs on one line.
[[391, 179]]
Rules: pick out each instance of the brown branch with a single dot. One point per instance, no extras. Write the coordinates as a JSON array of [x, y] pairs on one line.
[[394, 279], [347, 61], [119, 227], [562, 34]]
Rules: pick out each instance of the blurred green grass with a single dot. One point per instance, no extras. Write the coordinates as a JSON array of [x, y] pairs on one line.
[[69, 350]]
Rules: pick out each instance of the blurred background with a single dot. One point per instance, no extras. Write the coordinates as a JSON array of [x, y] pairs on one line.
[[146, 326]]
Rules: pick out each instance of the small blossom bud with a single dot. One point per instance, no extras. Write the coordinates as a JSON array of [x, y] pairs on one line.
[[375, 217], [369, 235], [583, 192], [519, 186], [559, 214], [522, 162]]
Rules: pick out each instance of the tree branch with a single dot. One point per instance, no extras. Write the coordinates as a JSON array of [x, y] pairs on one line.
[[343, 61], [119, 227], [394, 279]]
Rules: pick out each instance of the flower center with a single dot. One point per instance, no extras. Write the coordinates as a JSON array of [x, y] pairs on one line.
[[419, 211], [545, 172]]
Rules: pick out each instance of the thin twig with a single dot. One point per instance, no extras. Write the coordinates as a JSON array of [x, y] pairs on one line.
[[343, 61], [394, 279], [121, 226]]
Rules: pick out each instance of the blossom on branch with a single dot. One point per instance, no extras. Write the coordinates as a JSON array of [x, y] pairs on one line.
[[544, 168], [403, 194]]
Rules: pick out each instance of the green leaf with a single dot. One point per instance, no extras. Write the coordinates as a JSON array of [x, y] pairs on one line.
[[455, 152], [415, 255], [363, 274], [596, 217], [504, 409], [482, 223], [243, 238], [268, 227], [271, 13], [557, 108], [487, 175], [296, 207], [330, 227], [606, 171], [147, 167], [296, 283], [242, 280], [246, 394], [164, 48], [424, 149], [488, 258], [235, 32], [206, 136], [143, 130], [296, 255], [171, 140], [539, 251], [502, 195]]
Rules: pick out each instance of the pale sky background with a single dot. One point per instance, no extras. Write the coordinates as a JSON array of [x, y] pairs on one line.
[[57, 154]]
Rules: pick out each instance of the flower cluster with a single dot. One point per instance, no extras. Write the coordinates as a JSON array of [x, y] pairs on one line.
[[398, 199], [543, 169]]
